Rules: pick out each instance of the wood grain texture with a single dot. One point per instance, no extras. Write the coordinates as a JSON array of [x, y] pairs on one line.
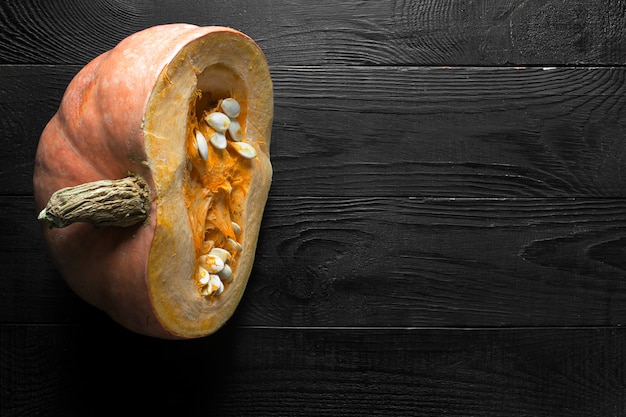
[[350, 32], [421, 262], [389, 262], [371, 131], [450, 132], [445, 234], [77, 371]]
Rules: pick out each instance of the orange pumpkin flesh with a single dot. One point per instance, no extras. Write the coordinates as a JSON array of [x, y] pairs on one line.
[[135, 110]]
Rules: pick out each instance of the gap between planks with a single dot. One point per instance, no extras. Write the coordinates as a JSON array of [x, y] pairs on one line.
[[357, 328]]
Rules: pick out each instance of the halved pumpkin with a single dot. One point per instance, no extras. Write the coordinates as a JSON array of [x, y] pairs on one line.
[[152, 202]]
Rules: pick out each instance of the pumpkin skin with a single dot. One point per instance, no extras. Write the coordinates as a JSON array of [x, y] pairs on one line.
[[133, 111]]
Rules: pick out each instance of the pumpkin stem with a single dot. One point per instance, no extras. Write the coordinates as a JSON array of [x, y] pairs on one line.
[[124, 202]]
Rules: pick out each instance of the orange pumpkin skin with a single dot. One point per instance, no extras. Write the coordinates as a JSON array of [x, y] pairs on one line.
[[127, 112]]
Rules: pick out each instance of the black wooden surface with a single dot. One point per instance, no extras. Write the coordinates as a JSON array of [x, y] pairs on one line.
[[445, 234]]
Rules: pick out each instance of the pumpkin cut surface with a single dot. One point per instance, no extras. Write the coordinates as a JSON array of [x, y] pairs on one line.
[[185, 112]]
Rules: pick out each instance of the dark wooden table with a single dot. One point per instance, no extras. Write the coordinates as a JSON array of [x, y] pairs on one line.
[[445, 235]]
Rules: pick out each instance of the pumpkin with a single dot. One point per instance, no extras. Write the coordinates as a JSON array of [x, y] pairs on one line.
[[152, 177]]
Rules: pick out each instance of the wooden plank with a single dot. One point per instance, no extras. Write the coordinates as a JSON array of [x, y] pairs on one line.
[[352, 372], [422, 262], [411, 32], [29, 97], [388, 262], [450, 132], [383, 131], [31, 288]]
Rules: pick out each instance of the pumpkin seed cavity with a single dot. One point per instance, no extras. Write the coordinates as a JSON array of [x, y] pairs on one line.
[[225, 132]]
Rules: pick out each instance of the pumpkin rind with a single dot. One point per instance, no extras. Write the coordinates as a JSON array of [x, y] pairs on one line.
[[127, 112]]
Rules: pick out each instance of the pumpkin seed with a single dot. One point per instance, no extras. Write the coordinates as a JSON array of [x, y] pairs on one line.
[[234, 245], [235, 131], [218, 121], [223, 254], [204, 276], [203, 147], [230, 107], [216, 286], [211, 283], [226, 274], [218, 140], [211, 263], [244, 149], [236, 228]]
